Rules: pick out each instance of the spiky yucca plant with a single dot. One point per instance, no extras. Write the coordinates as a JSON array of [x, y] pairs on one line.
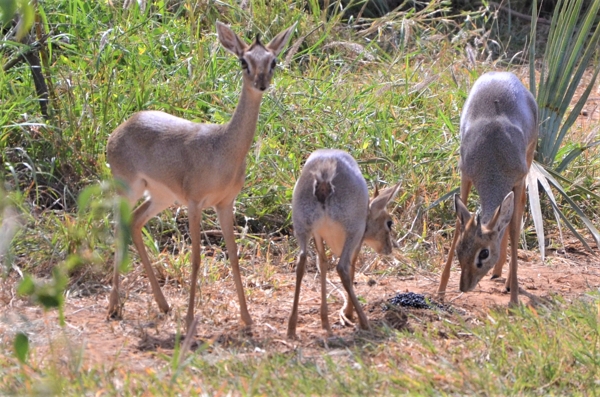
[[572, 48]]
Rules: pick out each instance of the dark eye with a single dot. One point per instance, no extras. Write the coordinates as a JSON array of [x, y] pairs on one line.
[[273, 63], [389, 224], [244, 63], [483, 254]]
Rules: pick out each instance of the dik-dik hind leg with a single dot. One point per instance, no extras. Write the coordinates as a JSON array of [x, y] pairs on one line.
[[322, 263], [349, 309], [512, 282], [141, 215], [300, 268], [344, 268], [465, 188], [225, 215]]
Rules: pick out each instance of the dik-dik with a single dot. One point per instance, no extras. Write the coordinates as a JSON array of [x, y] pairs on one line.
[[498, 133], [331, 203], [169, 159]]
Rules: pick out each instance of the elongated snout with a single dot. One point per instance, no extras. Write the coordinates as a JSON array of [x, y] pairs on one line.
[[261, 82], [468, 281]]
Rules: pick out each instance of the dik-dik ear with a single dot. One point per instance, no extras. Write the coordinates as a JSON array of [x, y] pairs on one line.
[[462, 213], [383, 198], [279, 41], [230, 40], [503, 214]]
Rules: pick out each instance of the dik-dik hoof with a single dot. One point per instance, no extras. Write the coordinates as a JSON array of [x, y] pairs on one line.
[[441, 295], [164, 308], [247, 320], [113, 314], [115, 308]]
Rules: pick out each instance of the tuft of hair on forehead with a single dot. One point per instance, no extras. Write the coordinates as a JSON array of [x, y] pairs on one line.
[[257, 42]]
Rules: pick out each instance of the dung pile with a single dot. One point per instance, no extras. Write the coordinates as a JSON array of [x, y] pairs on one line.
[[416, 301]]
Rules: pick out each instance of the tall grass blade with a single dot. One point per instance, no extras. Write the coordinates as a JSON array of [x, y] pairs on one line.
[[573, 154], [532, 43]]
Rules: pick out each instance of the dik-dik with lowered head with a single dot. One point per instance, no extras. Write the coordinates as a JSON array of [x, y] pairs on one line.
[[498, 133], [169, 159], [331, 204]]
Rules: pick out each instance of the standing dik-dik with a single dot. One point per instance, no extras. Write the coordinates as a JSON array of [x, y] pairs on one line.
[[498, 132], [170, 160], [331, 203]]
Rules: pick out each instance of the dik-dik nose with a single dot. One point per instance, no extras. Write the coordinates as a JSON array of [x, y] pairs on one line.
[[261, 82]]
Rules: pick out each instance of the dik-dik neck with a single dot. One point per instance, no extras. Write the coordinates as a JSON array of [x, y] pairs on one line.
[[242, 125]]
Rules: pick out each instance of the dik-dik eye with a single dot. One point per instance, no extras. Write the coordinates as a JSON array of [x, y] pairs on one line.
[[389, 224], [244, 64], [273, 64], [484, 254]]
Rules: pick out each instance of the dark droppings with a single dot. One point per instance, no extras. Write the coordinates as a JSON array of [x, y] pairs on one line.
[[416, 301]]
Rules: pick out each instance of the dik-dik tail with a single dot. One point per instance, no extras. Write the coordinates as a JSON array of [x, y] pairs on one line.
[[323, 184]]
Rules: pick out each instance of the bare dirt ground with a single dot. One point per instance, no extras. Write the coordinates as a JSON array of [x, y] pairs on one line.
[[144, 338]]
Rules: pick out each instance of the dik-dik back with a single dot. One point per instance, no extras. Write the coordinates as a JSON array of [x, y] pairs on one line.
[[498, 133]]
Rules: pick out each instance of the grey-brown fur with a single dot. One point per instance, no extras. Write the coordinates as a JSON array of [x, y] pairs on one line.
[[343, 218], [498, 130], [195, 164]]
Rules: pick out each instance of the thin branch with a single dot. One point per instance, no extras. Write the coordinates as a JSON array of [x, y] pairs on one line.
[[518, 14]]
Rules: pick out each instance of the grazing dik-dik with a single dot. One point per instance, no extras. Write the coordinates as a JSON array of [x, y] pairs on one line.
[[170, 160], [331, 203], [498, 137]]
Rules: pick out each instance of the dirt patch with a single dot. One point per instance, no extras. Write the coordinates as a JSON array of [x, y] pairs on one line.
[[144, 337]]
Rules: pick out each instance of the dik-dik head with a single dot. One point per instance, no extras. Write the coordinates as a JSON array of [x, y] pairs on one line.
[[478, 246], [378, 233], [258, 61]]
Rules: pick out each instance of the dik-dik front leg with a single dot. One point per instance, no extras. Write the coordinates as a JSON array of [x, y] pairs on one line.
[[322, 263], [465, 188], [512, 282], [225, 215]]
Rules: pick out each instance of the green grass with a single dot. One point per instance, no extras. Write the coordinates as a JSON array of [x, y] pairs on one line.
[[396, 110], [548, 351]]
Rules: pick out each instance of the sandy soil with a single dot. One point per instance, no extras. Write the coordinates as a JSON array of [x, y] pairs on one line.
[[144, 336]]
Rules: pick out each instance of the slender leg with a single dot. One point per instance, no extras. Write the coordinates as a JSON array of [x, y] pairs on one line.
[[512, 282], [349, 310], [225, 215], [344, 268], [194, 215], [114, 307], [141, 215], [322, 263], [497, 272], [465, 187], [300, 268]]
